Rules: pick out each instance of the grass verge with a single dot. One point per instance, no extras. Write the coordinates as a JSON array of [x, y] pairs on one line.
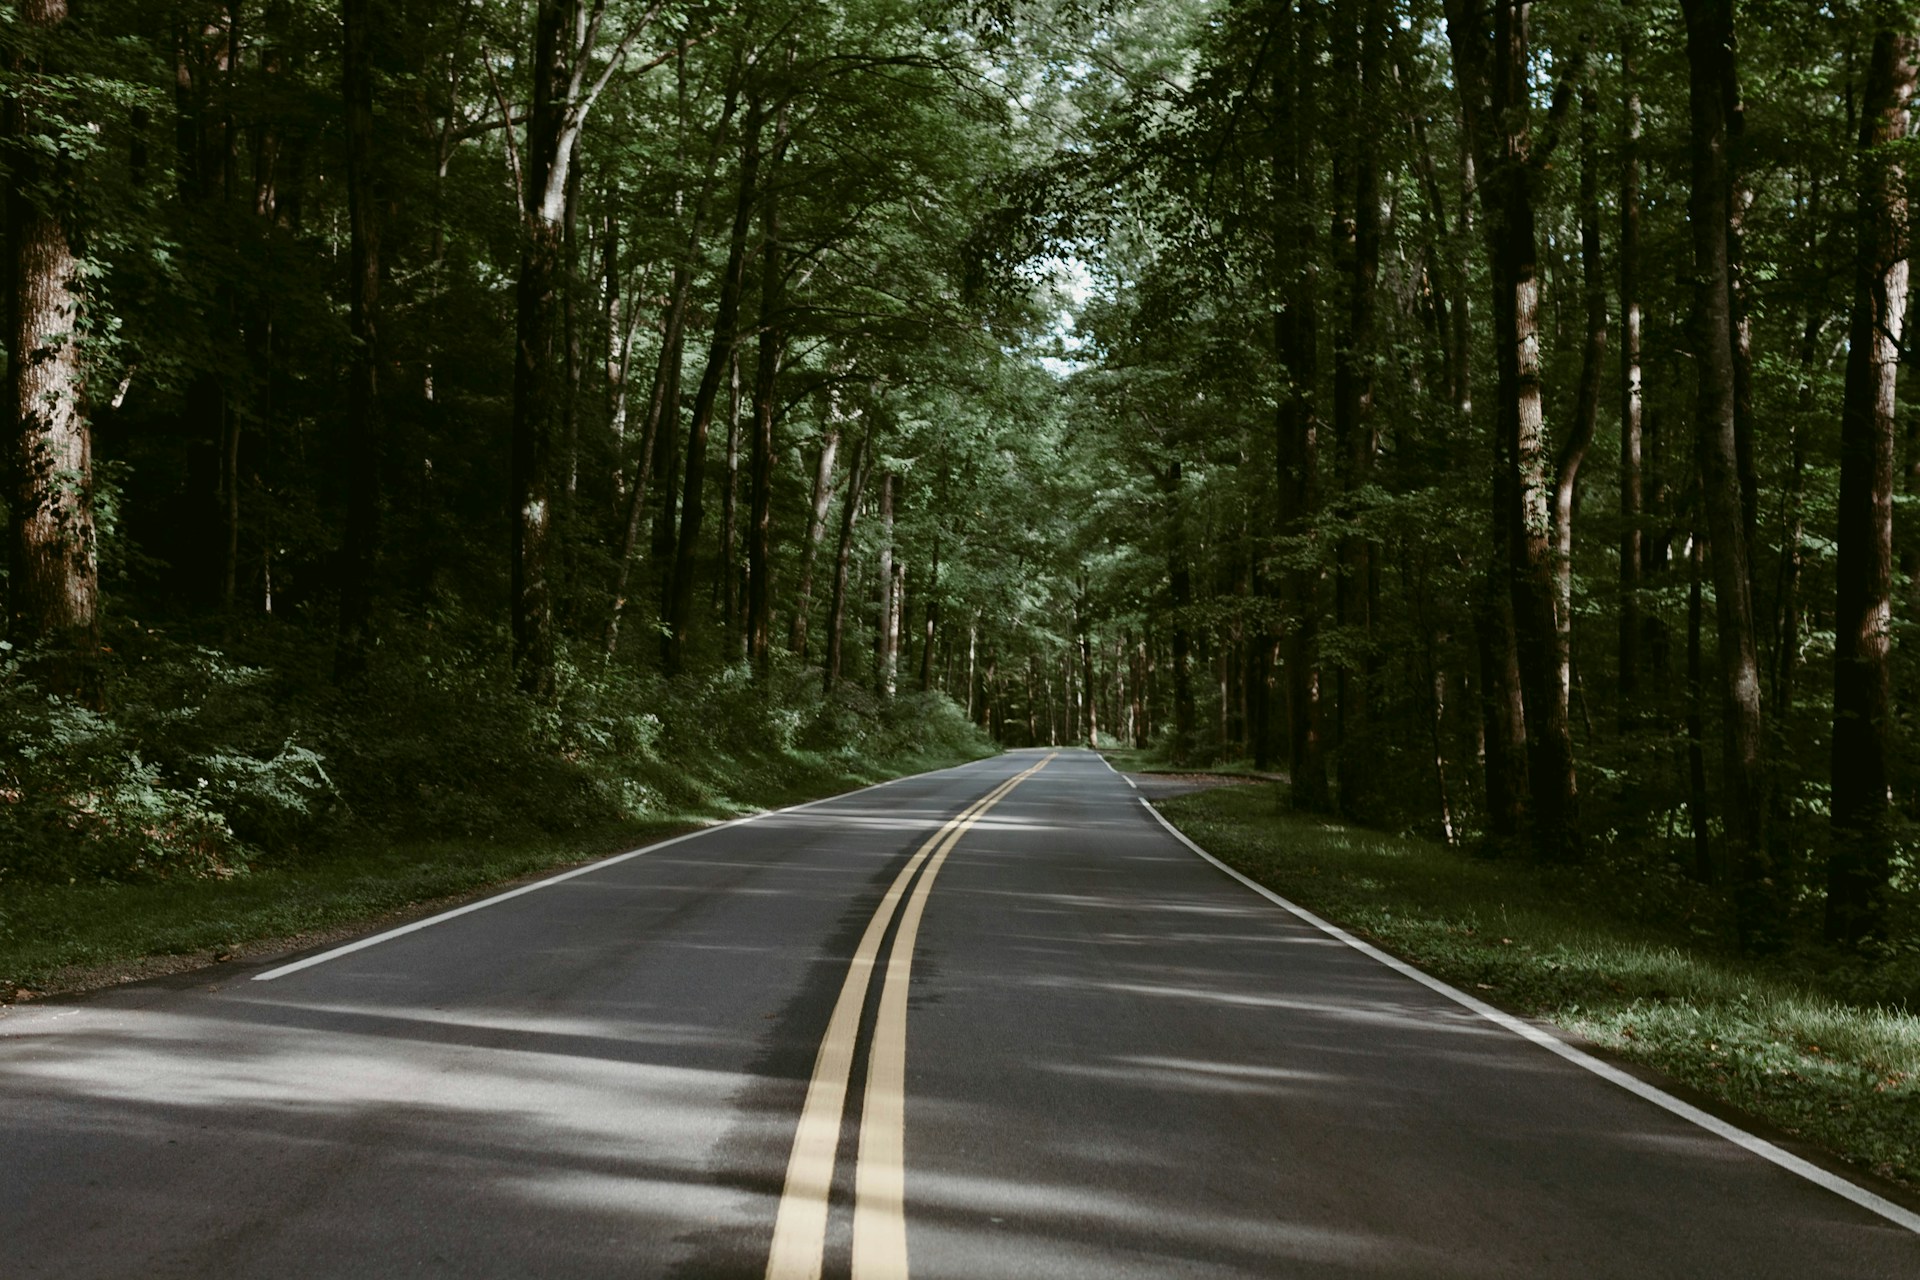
[[1153, 760], [1763, 1037], [57, 938]]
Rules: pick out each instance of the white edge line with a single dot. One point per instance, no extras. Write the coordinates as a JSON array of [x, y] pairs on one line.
[[1123, 777], [363, 943], [1606, 1071]]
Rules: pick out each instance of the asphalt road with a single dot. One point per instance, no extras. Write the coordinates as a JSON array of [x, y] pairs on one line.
[[1108, 1059]]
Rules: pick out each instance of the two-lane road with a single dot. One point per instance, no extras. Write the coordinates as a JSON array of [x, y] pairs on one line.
[[992, 1021]]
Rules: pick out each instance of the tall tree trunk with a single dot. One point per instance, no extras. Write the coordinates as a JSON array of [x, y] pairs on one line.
[[993, 718], [1180, 585], [876, 597], [973, 648], [1740, 306], [545, 160], [1699, 809], [1137, 657], [1495, 80], [572, 343], [1432, 640], [1573, 452], [663, 404], [1910, 486], [771, 346], [1784, 662], [1786, 652], [849, 516], [729, 505], [233, 428], [726, 322], [1757, 896], [1150, 682], [1356, 440], [1086, 679], [1296, 423], [933, 618], [1863, 609], [364, 32], [54, 575], [887, 635], [1503, 721], [1069, 698], [1053, 718], [816, 530], [205, 70], [1632, 386], [1656, 548], [666, 471], [663, 414], [1258, 677], [901, 642], [1502, 716], [1784, 665], [1033, 700], [618, 329]]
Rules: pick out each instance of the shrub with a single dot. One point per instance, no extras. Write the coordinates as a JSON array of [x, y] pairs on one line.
[[207, 761], [148, 792]]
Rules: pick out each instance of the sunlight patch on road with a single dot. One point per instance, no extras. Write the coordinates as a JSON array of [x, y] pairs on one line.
[[1410, 1016], [1048, 1211]]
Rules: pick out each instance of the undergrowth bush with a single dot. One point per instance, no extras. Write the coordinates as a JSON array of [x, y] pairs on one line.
[[206, 761], [174, 781]]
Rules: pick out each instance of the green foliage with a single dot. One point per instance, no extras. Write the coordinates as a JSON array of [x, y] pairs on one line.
[[279, 806], [159, 788], [1037, 251], [204, 765]]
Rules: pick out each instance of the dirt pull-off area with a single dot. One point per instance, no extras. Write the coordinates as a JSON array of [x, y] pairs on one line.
[[1159, 786]]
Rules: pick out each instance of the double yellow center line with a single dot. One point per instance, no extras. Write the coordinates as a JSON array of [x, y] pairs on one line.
[[879, 1200]]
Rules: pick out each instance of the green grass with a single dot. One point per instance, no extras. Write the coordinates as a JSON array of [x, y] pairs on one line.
[[1775, 1039], [77, 935], [1132, 760]]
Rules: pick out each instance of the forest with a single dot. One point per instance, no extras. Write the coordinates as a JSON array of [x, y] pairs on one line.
[[1484, 414]]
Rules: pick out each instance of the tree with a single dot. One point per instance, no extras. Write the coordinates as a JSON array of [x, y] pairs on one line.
[[364, 31], [1632, 383], [1711, 87], [1495, 92], [565, 88], [857, 472], [1356, 438], [54, 575], [1292, 169], [1863, 607], [720, 357], [770, 348], [1586, 415]]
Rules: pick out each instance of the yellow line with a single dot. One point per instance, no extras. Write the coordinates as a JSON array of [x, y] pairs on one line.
[[800, 1229], [879, 1189]]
